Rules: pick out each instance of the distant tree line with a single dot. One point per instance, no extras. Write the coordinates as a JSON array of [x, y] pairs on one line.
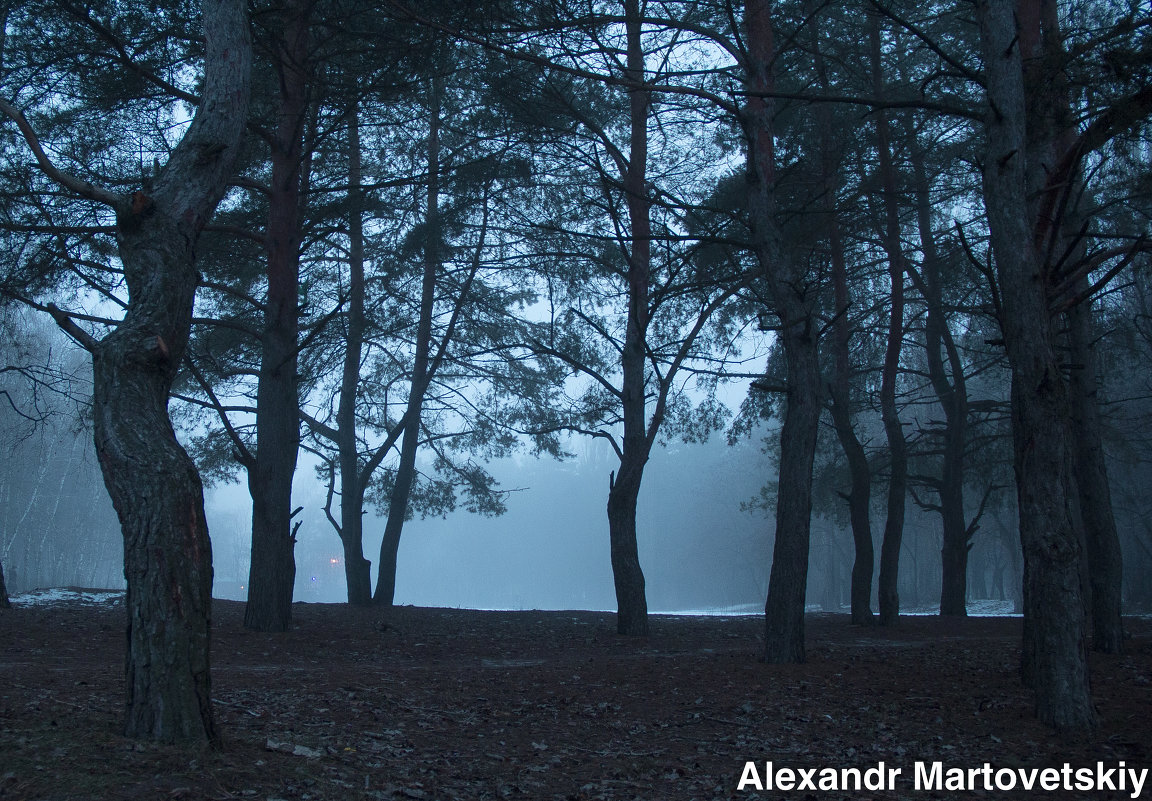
[[411, 238]]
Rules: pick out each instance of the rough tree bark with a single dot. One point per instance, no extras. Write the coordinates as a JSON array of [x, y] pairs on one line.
[[889, 596], [273, 566], [1017, 169], [792, 295], [154, 485], [624, 489]]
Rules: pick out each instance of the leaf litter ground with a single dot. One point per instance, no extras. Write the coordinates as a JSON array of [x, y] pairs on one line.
[[418, 703]]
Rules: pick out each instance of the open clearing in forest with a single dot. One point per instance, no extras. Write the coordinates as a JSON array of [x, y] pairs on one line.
[[417, 703]]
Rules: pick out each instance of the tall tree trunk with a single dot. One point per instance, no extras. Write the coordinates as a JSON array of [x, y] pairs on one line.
[[953, 398], [154, 485], [792, 295], [1017, 169], [1105, 562], [273, 567], [353, 483], [406, 469], [840, 388], [631, 602], [893, 429]]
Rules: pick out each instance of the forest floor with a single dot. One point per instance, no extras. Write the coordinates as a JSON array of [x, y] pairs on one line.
[[443, 704]]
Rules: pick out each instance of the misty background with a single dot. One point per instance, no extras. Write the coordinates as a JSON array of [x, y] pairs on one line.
[[705, 524]]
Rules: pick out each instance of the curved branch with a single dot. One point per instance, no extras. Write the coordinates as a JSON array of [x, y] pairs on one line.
[[70, 182]]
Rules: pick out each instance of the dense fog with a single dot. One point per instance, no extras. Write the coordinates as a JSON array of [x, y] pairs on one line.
[[705, 543]]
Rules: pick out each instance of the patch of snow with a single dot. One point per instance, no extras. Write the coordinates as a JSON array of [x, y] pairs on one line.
[[67, 595], [979, 608], [733, 610]]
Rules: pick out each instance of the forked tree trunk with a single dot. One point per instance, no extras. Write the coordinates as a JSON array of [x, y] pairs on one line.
[[353, 482], [272, 573], [792, 300], [421, 375], [840, 387], [889, 596], [952, 395], [1018, 166]]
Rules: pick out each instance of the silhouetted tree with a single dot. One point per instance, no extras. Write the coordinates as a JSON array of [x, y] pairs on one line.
[[1026, 164], [794, 300]]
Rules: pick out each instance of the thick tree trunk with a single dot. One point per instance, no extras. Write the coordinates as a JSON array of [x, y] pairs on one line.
[[273, 567], [631, 602], [406, 469], [1105, 562], [357, 569], [791, 296], [1055, 662], [889, 596], [154, 485], [386, 578], [158, 497], [788, 581], [956, 536], [953, 576]]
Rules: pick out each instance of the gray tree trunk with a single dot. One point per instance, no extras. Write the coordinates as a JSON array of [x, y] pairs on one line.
[[788, 581]]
